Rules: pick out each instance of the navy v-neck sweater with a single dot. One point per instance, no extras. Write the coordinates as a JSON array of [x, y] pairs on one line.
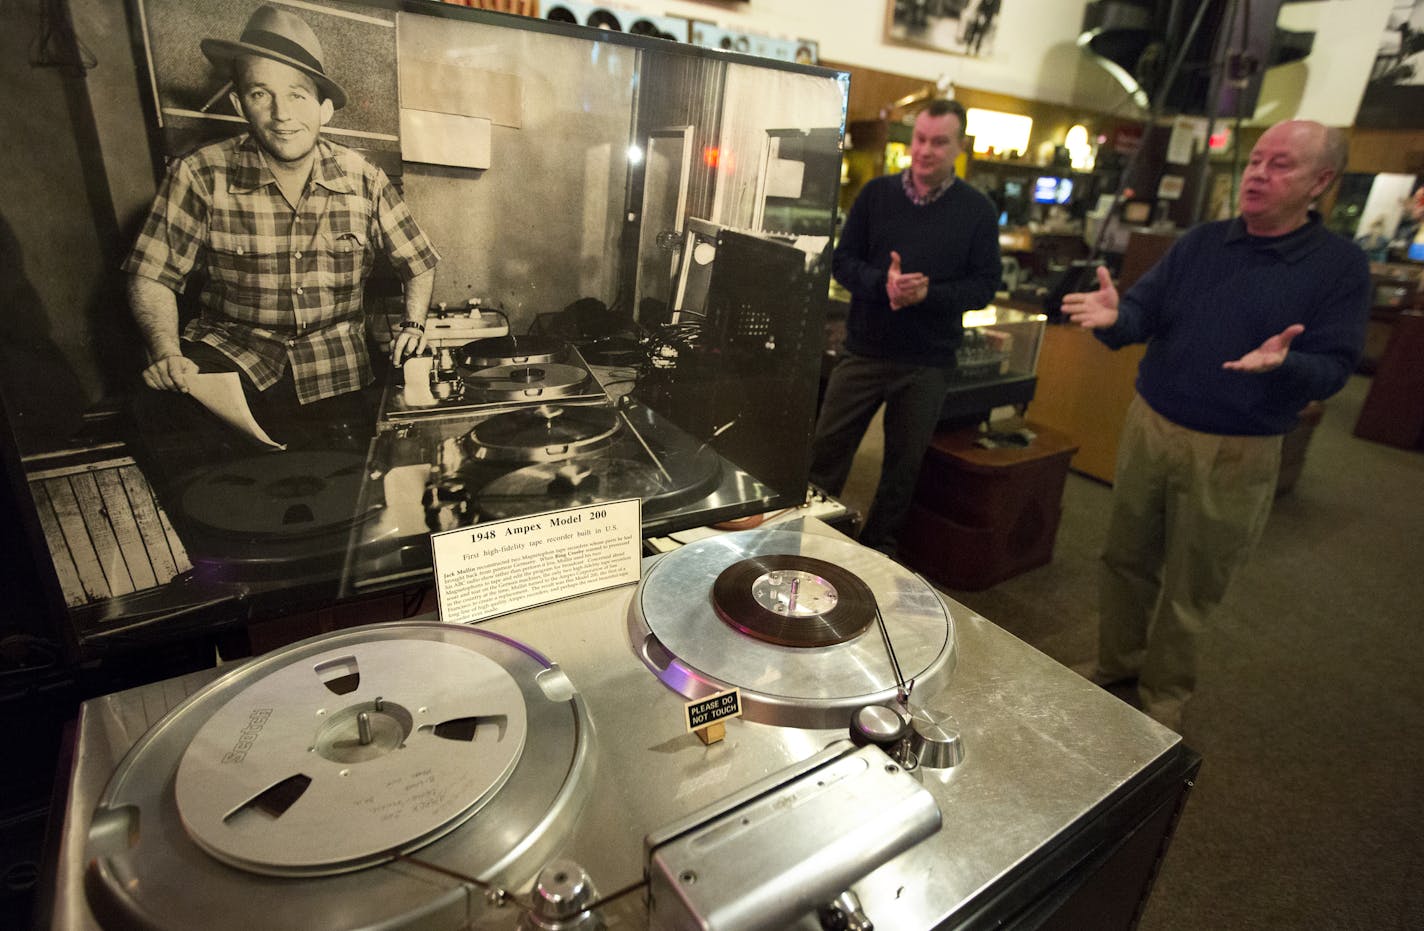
[[954, 240]]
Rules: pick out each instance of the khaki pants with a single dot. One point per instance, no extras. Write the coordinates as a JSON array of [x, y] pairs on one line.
[[1188, 507]]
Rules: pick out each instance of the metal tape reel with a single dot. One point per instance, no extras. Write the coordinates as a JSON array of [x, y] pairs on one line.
[[147, 869], [676, 631]]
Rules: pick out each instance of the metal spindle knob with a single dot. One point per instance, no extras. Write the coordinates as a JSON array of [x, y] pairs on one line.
[[880, 725]]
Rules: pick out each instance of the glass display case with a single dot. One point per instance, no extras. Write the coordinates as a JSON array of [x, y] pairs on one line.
[[996, 365]]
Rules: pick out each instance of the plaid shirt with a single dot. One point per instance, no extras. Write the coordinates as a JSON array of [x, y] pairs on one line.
[[283, 288], [931, 196]]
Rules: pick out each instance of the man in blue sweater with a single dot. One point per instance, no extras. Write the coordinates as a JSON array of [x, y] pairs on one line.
[[917, 250], [1246, 321]]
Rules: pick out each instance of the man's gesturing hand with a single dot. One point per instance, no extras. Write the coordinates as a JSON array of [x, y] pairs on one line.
[[1269, 355], [1093, 309], [903, 288]]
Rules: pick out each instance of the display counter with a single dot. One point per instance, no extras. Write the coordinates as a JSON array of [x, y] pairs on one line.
[[1395, 290], [1084, 390], [1393, 411]]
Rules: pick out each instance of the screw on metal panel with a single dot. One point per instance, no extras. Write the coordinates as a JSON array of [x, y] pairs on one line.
[[688, 877]]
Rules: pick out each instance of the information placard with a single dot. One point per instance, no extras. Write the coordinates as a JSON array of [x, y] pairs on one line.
[[493, 568]]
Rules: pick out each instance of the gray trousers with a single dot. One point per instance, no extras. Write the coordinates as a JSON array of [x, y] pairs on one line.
[[913, 396]]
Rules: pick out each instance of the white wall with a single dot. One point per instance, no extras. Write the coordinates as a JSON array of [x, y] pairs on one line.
[[1034, 56]]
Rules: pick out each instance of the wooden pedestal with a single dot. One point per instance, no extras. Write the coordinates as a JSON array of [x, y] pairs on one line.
[[984, 515], [1393, 412]]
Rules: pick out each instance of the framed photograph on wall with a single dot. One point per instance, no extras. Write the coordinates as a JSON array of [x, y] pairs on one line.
[[961, 27]]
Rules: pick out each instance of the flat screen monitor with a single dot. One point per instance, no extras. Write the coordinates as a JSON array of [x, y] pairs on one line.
[[1051, 190]]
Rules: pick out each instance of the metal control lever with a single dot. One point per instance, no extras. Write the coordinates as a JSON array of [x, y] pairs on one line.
[[750, 861], [844, 914], [885, 727]]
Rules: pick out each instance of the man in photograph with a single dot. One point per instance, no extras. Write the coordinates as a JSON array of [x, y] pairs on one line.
[[283, 226]]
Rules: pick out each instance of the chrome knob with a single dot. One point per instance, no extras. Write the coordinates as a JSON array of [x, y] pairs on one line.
[[934, 740], [561, 897]]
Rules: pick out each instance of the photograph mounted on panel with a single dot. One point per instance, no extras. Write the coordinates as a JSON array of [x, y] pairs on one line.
[[1394, 95], [191, 89], [285, 434], [961, 27]]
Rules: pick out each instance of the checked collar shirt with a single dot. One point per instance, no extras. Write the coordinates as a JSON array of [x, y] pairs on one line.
[[907, 181], [284, 288]]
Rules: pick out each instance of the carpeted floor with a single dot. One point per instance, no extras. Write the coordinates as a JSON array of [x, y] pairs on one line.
[[1309, 810]]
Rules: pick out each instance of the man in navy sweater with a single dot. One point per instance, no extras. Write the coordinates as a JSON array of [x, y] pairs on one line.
[[1246, 321], [917, 250]]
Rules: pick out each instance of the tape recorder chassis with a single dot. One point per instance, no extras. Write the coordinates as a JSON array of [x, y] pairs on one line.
[[607, 763]]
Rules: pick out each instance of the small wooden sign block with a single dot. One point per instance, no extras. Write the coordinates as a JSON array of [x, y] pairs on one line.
[[704, 716], [712, 733]]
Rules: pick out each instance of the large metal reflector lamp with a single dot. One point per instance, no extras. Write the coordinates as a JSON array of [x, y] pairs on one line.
[[1225, 48]]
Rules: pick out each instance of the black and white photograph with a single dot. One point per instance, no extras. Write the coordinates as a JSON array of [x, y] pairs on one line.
[[384, 270], [961, 27], [1394, 96]]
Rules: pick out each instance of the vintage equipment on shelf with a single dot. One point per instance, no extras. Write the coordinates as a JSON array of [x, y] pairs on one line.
[[529, 427]]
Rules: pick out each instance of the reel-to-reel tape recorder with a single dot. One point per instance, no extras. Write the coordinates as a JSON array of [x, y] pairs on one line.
[[513, 425], [536, 771]]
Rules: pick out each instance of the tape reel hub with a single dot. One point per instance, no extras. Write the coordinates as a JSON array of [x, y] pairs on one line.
[[363, 732], [794, 593], [792, 600]]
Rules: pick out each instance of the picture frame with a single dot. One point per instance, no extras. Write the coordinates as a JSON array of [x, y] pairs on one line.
[[958, 27]]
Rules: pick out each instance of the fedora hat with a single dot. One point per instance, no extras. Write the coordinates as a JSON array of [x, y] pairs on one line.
[[281, 36]]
